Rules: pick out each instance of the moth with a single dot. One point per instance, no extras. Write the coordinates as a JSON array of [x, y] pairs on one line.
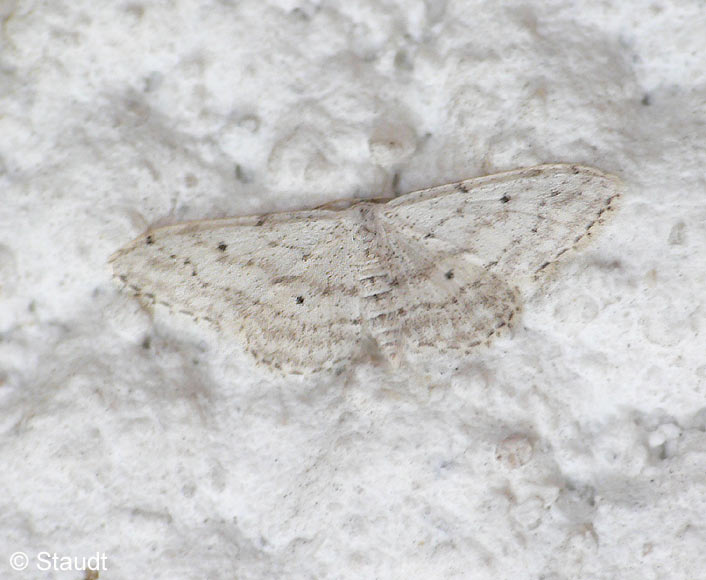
[[436, 270]]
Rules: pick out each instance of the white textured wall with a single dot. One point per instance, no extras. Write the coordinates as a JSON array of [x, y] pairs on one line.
[[574, 449]]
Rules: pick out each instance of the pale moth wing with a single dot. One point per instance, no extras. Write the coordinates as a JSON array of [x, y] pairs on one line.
[[515, 223], [283, 283], [418, 300], [435, 270]]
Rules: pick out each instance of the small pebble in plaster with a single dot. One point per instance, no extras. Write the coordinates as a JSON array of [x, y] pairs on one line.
[[392, 143], [514, 451]]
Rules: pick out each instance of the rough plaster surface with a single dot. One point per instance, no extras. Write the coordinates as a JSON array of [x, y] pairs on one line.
[[575, 448]]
